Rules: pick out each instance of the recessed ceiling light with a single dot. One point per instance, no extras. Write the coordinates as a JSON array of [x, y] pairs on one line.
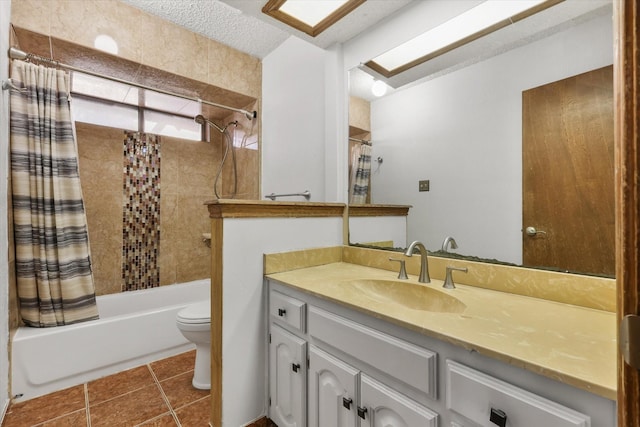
[[310, 16], [476, 22], [379, 88]]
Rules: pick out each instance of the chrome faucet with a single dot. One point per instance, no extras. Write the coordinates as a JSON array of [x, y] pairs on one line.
[[424, 265], [449, 240]]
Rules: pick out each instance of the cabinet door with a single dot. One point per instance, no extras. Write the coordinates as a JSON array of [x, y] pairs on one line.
[[381, 406], [287, 378], [332, 391]]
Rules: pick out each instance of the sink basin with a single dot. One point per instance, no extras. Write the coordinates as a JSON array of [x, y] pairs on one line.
[[406, 294]]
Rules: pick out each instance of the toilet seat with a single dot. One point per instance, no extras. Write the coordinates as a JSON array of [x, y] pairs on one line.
[[197, 313]]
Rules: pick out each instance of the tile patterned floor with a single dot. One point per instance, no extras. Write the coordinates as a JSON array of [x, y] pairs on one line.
[[158, 394]]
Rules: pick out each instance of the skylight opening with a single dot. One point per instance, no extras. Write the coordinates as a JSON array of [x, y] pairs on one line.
[[310, 16], [478, 21], [311, 12]]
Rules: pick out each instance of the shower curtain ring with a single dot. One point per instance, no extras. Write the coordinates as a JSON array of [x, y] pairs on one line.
[[8, 84]]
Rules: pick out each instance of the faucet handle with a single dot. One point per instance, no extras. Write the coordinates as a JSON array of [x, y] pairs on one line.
[[402, 274], [448, 279]]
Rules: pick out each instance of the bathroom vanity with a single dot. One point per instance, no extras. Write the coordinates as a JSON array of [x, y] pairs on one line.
[[351, 345]]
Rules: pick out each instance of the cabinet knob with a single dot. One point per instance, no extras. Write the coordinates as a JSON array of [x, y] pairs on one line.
[[346, 402], [282, 312], [295, 367], [362, 412], [498, 417]]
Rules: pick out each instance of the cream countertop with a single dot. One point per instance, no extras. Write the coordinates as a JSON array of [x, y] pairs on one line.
[[572, 344]]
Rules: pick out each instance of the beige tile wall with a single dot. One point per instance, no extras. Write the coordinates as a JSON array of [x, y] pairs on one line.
[[187, 171], [247, 158], [359, 113], [142, 38], [188, 168], [100, 154]]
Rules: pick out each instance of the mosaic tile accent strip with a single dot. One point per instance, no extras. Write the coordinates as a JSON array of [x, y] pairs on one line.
[[141, 212]]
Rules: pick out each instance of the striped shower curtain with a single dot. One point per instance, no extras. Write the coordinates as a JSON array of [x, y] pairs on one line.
[[360, 172], [53, 266]]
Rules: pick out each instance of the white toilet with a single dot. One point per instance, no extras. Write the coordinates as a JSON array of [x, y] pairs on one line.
[[194, 321]]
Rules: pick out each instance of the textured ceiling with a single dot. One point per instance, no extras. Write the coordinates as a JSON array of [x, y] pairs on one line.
[[242, 25]]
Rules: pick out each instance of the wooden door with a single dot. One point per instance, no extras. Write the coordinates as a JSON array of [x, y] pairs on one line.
[[627, 135], [568, 174], [332, 391]]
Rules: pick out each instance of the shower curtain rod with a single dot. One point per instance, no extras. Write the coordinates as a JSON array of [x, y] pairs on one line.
[[361, 141], [19, 54]]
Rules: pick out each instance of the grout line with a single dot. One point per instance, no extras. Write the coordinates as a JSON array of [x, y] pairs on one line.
[[164, 396], [123, 394], [86, 402], [157, 417], [48, 421], [194, 401]]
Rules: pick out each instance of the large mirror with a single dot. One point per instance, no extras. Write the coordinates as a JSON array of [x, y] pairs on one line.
[[517, 147]]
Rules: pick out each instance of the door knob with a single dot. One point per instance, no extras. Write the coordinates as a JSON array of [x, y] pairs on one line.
[[531, 231]]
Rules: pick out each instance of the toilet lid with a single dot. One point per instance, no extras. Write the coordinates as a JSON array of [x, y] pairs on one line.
[[199, 312]]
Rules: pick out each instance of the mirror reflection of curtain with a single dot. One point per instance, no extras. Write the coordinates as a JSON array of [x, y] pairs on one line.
[[53, 265], [359, 178]]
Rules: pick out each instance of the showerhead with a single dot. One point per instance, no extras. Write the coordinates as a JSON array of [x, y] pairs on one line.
[[200, 119]]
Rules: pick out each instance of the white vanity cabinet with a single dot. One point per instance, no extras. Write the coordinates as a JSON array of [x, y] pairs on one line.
[[382, 406], [287, 361], [334, 401], [333, 386], [334, 366], [288, 378], [340, 393]]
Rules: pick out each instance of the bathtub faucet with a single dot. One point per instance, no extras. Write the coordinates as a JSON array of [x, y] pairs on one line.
[[424, 264]]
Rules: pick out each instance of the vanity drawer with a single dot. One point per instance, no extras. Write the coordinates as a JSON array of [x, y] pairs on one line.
[[474, 394], [287, 310], [412, 365]]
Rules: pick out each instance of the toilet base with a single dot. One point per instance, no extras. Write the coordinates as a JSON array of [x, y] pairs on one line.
[[202, 369]]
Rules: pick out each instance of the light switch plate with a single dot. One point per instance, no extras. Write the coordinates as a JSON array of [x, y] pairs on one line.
[[423, 185]]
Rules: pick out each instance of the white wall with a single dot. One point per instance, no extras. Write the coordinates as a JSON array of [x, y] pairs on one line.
[[463, 132], [367, 229], [293, 120], [336, 127], [244, 376], [5, 14]]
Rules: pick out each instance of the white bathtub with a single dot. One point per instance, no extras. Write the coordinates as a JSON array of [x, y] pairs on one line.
[[134, 328]]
